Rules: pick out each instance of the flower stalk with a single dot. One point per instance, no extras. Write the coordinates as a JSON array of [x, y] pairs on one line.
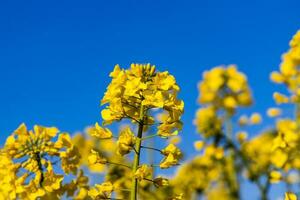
[[136, 161], [232, 178]]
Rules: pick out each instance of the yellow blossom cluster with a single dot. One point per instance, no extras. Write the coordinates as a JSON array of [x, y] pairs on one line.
[[138, 87], [29, 156], [224, 87], [289, 72], [137, 94]]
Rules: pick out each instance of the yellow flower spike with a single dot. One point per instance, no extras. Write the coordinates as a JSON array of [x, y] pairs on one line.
[[255, 118], [31, 152], [126, 141], [143, 172], [198, 145], [275, 176], [290, 196], [133, 94], [161, 182], [274, 112], [224, 87], [99, 132], [280, 98]]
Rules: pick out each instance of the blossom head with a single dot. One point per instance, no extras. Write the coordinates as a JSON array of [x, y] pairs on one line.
[[225, 87], [141, 86]]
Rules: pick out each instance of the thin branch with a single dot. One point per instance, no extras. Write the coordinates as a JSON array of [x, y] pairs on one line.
[[151, 148], [120, 164], [149, 136]]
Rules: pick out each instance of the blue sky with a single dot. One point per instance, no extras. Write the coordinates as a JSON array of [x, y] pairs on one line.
[[55, 56]]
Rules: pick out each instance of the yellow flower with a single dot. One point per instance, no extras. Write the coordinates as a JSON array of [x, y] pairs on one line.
[[141, 86], [279, 158], [52, 181], [242, 136], [99, 132], [70, 158], [172, 155], [289, 67], [290, 196], [207, 122], [255, 118], [33, 152], [126, 141], [287, 134], [101, 191], [275, 176], [95, 158], [224, 87], [273, 112], [160, 182], [214, 152], [280, 98], [142, 172], [198, 145], [230, 102], [277, 77]]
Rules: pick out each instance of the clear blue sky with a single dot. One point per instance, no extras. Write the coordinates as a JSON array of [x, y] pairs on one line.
[[55, 56]]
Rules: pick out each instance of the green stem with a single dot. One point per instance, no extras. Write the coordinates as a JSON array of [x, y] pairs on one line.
[[149, 137], [263, 189], [151, 148], [136, 161], [233, 176], [297, 119]]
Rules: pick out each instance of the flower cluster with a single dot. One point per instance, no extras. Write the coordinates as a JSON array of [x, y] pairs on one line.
[[137, 94], [289, 73], [224, 87], [142, 87], [29, 156]]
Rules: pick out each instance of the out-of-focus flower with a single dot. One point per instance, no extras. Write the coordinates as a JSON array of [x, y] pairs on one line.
[[273, 112], [255, 118]]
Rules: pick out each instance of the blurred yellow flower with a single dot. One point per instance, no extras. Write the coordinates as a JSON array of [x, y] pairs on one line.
[[255, 118], [273, 112]]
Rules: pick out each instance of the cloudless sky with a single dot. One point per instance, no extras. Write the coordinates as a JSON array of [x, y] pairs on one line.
[[55, 56]]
